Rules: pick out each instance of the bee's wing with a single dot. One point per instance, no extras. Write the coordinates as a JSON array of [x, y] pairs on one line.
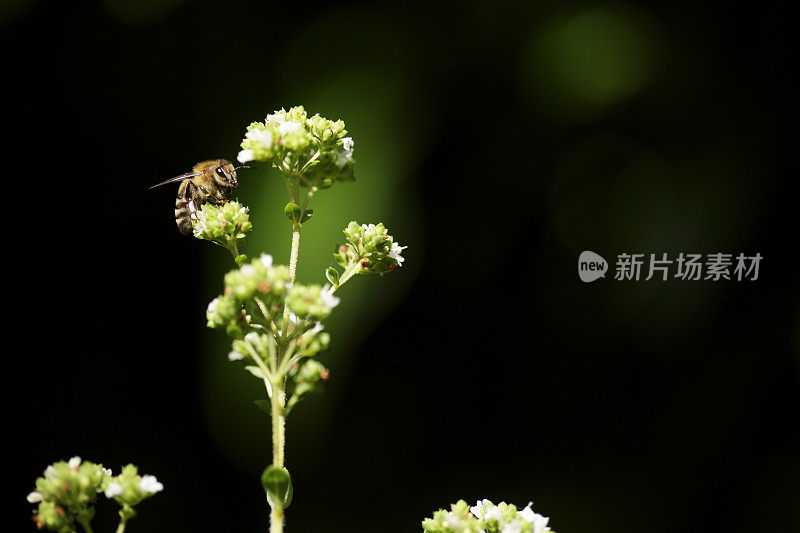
[[178, 178]]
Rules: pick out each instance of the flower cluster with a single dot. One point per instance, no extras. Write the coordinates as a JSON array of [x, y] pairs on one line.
[[369, 250], [485, 517], [255, 289], [312, 302], [129, 488], [67, 492], [315, 149], [250, 311], [223, 224]]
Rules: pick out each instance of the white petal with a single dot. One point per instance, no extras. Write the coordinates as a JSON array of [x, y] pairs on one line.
[[327, 297], [113, 489], [245, 156], [513, 527], [288, 127], [493, 512], [75, 462], [540, 524], [266, 260], [528, 514], [235, 356], [150, 484], [35, 497]]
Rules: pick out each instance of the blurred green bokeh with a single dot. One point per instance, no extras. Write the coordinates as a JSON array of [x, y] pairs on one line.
[[581, 62]]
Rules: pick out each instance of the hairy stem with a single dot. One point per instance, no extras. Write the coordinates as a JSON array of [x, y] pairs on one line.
[[278, 445], [292, 272]]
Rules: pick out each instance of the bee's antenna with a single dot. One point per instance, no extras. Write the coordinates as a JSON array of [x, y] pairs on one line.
[[243, 166]]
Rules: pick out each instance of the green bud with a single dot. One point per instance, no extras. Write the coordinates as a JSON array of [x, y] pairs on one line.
[[222, 223], [311, 301], [457, 520], [257, 279], [310, 377], [53, 517], [277, 484], [371, 247], [292, 211]]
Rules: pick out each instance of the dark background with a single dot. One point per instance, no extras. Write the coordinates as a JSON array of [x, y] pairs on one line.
[[497, 140]]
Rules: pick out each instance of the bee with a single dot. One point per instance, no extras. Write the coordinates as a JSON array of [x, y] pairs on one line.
[[209, 181]]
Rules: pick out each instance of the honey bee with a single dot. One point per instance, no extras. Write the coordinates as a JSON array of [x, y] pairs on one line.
[[209, 181]]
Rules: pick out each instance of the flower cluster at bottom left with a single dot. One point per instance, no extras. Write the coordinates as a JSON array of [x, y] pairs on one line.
[[68, 492]]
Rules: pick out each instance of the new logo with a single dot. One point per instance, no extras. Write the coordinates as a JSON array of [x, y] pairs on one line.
[[591, 266]]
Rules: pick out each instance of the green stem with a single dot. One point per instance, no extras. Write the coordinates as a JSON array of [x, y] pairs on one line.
[[349, 273], [292, 272], [121, 526], [278, 445]]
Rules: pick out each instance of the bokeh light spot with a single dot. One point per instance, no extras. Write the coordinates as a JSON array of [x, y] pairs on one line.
[[579, 64]]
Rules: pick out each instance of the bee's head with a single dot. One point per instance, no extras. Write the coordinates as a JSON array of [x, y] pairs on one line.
[[225, 174]]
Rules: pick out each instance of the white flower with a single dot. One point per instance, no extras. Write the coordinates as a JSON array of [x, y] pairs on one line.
[[395, 252], [316, 329], [327, 297], [107, 471], [253, 339], [286, 127], [245, 156], [277, 117], [527, 514], [35, 497], [212, 306], [513, 527], [150, 485], [493, 512], [347, 144], [266, 260], [344, 154], [75, 462], [235, 356], [342, 157], [452, 521], [113, 489], [260, 136], [477, 509], [50, 473], [540, 523]]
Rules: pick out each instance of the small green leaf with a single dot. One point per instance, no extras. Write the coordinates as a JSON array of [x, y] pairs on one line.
[[308, 214], [333, 276], [292, 211], [262, 404], [256, 371], [277, 484]]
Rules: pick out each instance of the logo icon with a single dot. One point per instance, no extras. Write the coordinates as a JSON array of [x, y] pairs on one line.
[[591, 266]]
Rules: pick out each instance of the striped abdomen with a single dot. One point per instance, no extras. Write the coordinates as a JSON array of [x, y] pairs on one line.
[[184, 210]]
